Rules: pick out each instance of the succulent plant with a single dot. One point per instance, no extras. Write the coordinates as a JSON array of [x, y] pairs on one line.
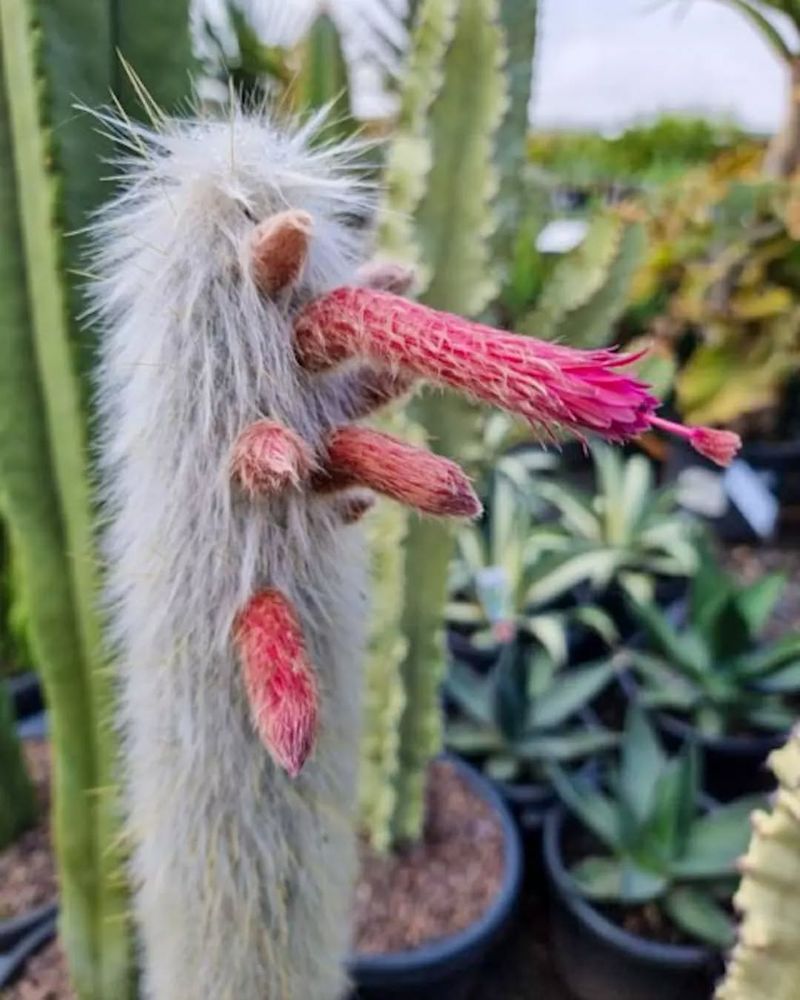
[[526, 713], [655, 842], [502, 581], [712, 666], [628, 533]]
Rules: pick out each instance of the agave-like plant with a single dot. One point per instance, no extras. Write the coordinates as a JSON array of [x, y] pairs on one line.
[[628, 533], [502, 581], [711, 666], [526, 714], [654, 842]]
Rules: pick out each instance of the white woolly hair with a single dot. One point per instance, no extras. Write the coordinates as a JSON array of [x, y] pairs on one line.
[[242, 875]]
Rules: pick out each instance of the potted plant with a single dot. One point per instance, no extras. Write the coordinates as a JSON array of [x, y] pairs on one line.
[[630, 538], [642, 871], [713, 681], [505, 583], [521, 718]]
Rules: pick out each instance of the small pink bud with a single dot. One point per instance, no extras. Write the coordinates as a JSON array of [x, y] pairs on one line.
[[279, 680], [279, 250], [268, 457]]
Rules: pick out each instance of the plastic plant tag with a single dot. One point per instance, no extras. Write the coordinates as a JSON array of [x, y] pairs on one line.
[[752, 497], [491, 583], [702, 491], [561, 236]]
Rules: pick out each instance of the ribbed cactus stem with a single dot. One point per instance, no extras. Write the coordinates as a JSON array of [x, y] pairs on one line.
[[765, 962]]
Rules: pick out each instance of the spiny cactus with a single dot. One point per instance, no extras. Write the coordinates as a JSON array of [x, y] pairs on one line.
[[238, 354], [765, 962], [52, 55]]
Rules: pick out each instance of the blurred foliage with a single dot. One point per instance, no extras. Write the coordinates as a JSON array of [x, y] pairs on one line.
[[525, 714], [718, 290], [17, 802], [655, 843], [640, 155]]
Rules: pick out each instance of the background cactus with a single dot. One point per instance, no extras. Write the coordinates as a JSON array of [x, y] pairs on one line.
[[455, 194], [54, 54], [764, 962]]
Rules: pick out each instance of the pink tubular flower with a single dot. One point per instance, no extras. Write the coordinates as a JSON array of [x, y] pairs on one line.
[[551, 386], [279, 680], [268, 457], [358, 456], [716, 445]]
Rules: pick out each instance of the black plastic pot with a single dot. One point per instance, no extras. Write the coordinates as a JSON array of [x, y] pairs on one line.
[[21, 937], [445, 969], [732, 765], [599, 961]]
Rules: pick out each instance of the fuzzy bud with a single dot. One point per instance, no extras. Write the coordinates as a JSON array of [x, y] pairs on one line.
[[279, 680], [268, 457], [279, 250], [358, 456]]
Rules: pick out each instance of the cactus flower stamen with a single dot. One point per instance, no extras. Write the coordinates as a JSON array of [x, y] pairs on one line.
[[357, 456], [716, 445], [279, 680]]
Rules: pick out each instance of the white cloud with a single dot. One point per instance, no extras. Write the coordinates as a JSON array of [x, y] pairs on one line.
[[603, 63]]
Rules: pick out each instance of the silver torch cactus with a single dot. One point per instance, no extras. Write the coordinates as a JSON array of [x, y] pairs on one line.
[[244, 342]]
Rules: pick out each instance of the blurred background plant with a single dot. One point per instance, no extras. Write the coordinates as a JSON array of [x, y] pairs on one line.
[[51, 166], [650, 845], [713, 666], [526, 714]]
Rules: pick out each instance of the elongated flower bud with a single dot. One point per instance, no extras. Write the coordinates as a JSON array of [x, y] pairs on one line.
[[358, 456], [279, 679]]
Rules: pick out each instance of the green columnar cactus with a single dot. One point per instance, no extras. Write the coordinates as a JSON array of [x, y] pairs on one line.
[[765, 962], [441, 182], [17, 804], [53, 54]]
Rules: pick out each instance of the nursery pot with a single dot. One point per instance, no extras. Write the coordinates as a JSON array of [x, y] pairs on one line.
[[445, 969], [732, 765], [22, 936], [599, 961], [28, 702]]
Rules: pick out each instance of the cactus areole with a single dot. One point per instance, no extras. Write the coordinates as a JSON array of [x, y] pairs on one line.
[[244, 337]]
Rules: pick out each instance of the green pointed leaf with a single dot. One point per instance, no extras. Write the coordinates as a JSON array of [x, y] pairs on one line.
[[716, 840], [594, 809], [470, 692], [569, 693], [757, 601], [471, 739], [611, 879], [697, 914], [642, 764], [566, 746]]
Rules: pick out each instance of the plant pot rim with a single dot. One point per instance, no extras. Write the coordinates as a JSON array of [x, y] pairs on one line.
[[673, 955], [736, 746], [13, 929], [448, 953]]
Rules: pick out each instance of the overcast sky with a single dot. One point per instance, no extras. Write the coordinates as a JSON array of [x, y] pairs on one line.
[[604, 63]]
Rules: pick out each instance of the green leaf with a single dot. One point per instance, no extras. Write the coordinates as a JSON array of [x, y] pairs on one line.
[[641, 765], [569, 692], [510, 694], [566, 746], [550, 631], [784, 680], [612, 879], [598, 621], [471, 739], [502, 767], [762, 664], [595, 810], [557, 575], [470, 692], [682, 648], [716, 840], [674, 806], [757, 602], [697, 914], [773, 717]]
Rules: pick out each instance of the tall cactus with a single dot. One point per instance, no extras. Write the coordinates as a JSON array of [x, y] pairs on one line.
[[55, 53], [765, 962]]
